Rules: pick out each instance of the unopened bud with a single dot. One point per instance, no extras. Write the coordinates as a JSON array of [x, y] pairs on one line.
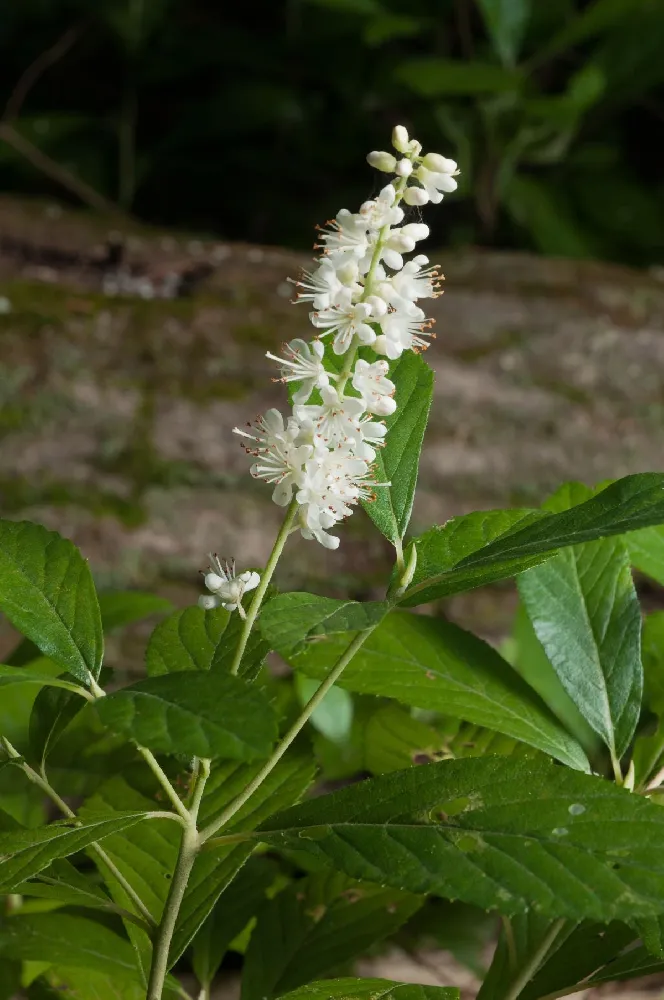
[[213, 582], [207, 602], [415, 196], [409, 571], [628, 780], [382, 161], [404, 168], [400, 138], [439, 164]]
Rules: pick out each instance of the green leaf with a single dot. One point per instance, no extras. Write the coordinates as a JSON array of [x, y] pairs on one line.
[[497, 832], [430, 76], [63, 882], [531, 661], [431, 663], [124, 607], [371, 989], [26, 852], [290, 621], [637, 962], [506, 22], [397, 463], [46, 591], [86, 984], [578, 954], [201, 714], [239, 903], [393, 739], [194, 639], [586, 614], [52, 712], [22, 675], [315, 925], [186, 640], [67, 939], [646, 550], [484, 547]]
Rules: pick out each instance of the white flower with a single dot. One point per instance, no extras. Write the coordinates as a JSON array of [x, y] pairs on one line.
[[226, 588], [413, 283], [303, 363], [374, 387], [382, 211], [403, 330], [372, 437], [403, 168], [320, 287], [402, 241], [346, 322], [435, 183], [336, 421], [280, 458], [347, 234]]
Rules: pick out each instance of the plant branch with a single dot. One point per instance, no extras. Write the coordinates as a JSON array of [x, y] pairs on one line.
[[189, 849], [45, 786], [162, 778], [288, 739], [261, 590], [535, 962]]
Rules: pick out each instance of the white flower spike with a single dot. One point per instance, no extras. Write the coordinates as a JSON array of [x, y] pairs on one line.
[[363, 296]]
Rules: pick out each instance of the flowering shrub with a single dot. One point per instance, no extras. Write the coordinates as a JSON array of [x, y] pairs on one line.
[[147, 829]]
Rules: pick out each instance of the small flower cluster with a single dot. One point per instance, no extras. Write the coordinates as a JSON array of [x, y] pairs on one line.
[[362, 295]]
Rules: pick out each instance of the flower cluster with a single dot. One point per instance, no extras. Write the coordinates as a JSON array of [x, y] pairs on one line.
[[362, 295]]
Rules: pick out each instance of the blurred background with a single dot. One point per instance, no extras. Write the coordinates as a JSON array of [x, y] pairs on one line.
[[251, 121]]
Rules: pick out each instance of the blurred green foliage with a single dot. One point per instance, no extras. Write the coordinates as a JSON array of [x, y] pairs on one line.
[[250, 120]]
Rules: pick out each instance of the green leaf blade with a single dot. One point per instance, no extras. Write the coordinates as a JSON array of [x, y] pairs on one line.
[[499, 833], [198, 713], [397, 463], [430, 663], [371, 989], [483, 548], [586, 614], [46, 591]]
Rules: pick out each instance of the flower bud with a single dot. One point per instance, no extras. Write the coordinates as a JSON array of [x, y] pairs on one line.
[[415, 196], [378, 305], [400, 138], [213, 582], [207, 602], [404, 168], [439, 164], [382, 161], [416, 230]]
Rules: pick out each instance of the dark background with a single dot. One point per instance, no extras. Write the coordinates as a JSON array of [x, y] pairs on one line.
[[251, 121]]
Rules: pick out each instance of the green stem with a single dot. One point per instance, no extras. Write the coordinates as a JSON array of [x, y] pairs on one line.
[[189, 848], [289, 737], [161, 777], [42, 783], [535, 962], [266, 576]]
